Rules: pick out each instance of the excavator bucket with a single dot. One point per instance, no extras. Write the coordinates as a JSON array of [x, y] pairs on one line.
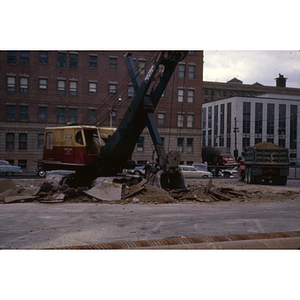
[[167, 181]]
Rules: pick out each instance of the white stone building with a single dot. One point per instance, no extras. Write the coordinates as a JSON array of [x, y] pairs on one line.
[[238, 122]]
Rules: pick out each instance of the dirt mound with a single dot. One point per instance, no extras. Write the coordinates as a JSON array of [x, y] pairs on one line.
[[265, 145]]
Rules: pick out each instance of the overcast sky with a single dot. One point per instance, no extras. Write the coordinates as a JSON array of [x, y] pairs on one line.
[[252, 66]]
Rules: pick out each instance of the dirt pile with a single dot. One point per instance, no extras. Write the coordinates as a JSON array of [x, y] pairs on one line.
[[141, 193]]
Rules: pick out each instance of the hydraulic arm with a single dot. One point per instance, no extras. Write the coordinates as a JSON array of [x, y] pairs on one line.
[[139, 114]]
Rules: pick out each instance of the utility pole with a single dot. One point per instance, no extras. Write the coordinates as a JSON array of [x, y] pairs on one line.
[[235, 130]]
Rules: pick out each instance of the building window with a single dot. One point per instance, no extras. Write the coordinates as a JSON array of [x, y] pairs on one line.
[[73, 61], [140, 144], [161, 118], [113, 63], [209, 138], [10, 112], [181, 71], [130, 92], [209, 125], [180, 147], [190, 145], [62, 60], [270, 122], [92, 87], [216, 125], [191, 96], [282, 125], [203, 138], [10, 141], [222, 124], [42, 112], [181, 95], [190, 121], [40, 140], [73, 88], [92, 115], [22, 163], [61, 115], [11, 57], [191, 72], [73, 115], [22, 141], [93, 61], [293, 131], [258, 122], [224, 94], [24, 82], [246, 124], [204, 118], [43, 57], [112, 89], [24, 57], [11, 83], [228, 140], [180, 120], [43, 84], [61, 87], [142, 67], [205, 92], [23, 113]]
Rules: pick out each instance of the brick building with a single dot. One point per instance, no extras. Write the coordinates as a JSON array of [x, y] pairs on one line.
[[50, 88]]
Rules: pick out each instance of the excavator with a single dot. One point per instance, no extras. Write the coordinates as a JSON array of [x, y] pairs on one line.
[[92, 151]]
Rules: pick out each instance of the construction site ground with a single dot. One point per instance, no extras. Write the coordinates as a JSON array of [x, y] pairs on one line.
[[58, 217]]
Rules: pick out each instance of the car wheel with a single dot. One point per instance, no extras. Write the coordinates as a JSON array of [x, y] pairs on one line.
[[41, 173], [9, 173], [136, 172], [205, 176]]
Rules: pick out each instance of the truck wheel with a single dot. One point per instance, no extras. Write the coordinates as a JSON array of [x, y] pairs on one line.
[[41, 173], [249, 176]]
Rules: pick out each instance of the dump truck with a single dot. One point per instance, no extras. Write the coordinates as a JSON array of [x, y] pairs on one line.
[[266, 162], [94, 152]]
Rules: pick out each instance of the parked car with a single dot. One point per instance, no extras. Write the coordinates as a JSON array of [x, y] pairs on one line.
[[200, 167], [192, 172], [138, 170], [7, 169], [226, 160], [231, 173]]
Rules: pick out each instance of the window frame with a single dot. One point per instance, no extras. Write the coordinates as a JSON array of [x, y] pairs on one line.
[[113, 63], [43, 57], [180, 120], [73, 91], [23, 139], [191, 71], [11, 113], [61, 115], [93, 64], [23, 113], [12, 57], [113, 88], [191, 98], [24, 84], [61, 60], [24, 57], [61, 90], [43, 86], [42, 112], [181, 71], [181, 97], [9, 142], [73, 61], [93, 90], [11, 86]]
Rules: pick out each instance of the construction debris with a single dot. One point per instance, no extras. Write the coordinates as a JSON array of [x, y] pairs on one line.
[[136, 190]]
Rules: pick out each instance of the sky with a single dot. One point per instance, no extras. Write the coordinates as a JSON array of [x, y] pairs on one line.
[[252, 66]]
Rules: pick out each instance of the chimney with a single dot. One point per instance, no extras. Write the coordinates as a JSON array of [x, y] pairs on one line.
[[280, 81]]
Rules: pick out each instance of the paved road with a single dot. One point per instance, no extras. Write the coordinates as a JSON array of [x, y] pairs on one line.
[[36, 225]]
